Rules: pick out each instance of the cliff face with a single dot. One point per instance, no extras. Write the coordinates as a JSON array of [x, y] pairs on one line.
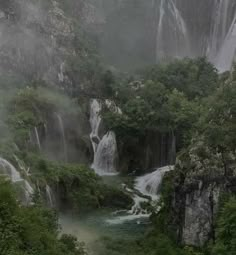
[[202, 178], [37, 37]]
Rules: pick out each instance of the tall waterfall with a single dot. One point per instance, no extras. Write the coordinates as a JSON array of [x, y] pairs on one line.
[[7, 169], [172, 36], [149, 184], [62, 131], [154, 30], [105, 149], [222, 44]]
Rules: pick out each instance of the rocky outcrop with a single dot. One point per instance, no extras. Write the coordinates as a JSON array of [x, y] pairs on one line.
[[201, 178]]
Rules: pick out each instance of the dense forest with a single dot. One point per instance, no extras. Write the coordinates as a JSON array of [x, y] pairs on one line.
[[55, 87]]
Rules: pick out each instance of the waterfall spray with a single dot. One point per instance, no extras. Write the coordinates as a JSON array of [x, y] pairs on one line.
[[7, 169]]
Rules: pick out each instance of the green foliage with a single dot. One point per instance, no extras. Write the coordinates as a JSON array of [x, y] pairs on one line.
[[32, 230], [32, 107], [193, 77], [82, 188], [153, 108], [219, 120], [153, 244], [226, 230]]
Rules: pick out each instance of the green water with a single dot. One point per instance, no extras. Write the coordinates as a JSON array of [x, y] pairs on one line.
[[92, 227]]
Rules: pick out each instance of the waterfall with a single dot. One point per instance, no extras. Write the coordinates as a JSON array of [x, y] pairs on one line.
[[105, 149], [37, 138], [49, 195], [95, 121], [220, 26], [172, 36], [106, 155], [7, 169], [149, 184], [62, 131]]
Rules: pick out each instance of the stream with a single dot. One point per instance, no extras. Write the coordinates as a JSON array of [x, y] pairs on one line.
[[130, 224]]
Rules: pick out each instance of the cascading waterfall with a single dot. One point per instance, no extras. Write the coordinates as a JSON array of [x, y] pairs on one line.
[[177, 29], [7, 169], [105, 149], [106, 155], [222, 44], [145, 186], [172, 36], [219, 30], [149, 184], [62, 131]]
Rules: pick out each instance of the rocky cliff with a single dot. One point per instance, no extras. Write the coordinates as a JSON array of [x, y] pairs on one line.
[[201, 179]]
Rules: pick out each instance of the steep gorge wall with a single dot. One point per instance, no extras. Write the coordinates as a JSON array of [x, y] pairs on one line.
[[198, 185]]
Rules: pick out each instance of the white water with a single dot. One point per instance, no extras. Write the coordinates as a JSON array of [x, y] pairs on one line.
[[219, 28], [7, 169], [149, 184], [49, 196], [62, 131], [37, 138], [95, 121], [105, 149], [171, 22], [106, 155]]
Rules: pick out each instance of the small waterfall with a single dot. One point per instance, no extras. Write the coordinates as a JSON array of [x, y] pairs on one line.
[[37, 138], [7, 169], [105, 149], [106, 155], [137, 208], [149, 184], [95, 121], [49, 195], [62, 131]]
